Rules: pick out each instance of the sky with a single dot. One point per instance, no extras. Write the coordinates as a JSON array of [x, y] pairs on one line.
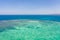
[[29, 7]]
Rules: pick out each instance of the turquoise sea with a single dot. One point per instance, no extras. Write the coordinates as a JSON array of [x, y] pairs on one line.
[[29, 27]]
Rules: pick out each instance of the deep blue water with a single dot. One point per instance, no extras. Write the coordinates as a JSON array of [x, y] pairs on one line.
[[33, 17]]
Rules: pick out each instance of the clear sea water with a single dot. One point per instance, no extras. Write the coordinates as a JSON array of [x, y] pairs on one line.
[[29, 30], [33, 17]]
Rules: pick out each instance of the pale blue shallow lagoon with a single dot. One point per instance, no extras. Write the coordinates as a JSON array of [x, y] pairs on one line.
[[29, 30]]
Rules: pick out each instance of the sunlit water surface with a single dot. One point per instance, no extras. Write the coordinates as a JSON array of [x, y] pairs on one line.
[[29, 30]]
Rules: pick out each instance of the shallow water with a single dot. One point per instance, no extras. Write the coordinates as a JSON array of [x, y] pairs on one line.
[[29, 30]]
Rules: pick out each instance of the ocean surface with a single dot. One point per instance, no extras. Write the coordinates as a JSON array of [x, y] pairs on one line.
[[36, 28], [32, 17]]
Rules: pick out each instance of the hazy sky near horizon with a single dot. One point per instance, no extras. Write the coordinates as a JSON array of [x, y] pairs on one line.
[[29, 6]]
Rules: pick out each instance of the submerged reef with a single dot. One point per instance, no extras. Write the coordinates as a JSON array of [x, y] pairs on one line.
[[29, 30]]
